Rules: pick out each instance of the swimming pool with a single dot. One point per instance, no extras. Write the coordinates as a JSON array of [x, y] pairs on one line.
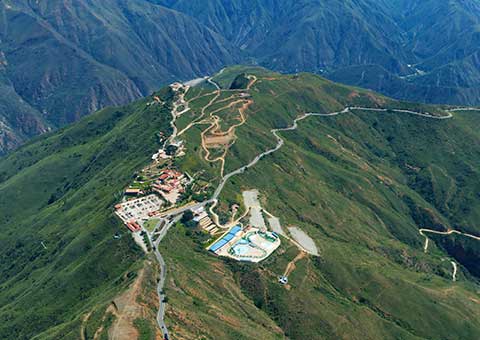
[[241, 249]]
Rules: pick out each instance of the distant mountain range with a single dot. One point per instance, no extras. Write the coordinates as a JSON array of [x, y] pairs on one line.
[[63, 59], [60, 60], [418, 50]]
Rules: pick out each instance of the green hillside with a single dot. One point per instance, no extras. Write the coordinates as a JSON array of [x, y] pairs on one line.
[[60, 190], [62, 60], [418, 50], [360, 183]]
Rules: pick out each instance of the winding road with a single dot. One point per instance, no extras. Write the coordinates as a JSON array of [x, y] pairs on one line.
[[445, 233], [454, 274], [166, 224], [280, 140], [174, 216], [450, 232]]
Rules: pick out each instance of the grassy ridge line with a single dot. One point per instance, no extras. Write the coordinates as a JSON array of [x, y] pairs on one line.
[[60, 190], [366, 228]]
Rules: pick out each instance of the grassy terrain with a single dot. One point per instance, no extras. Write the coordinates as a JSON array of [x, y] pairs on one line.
[[145, 329], [100, 58], [150, 224], [204, 299], [60, 190], [361, 184]]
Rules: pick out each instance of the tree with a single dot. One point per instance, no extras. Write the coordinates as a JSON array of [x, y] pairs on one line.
[[187, 216]]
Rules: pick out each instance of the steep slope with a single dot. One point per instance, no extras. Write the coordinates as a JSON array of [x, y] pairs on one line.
[[426, 50], [59, 257], [67, 59], [362, 184], [18, 120], [441, 42], [322, 35], [245, 23]]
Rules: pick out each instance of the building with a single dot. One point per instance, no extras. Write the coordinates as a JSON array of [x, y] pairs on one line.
[[133, 192]]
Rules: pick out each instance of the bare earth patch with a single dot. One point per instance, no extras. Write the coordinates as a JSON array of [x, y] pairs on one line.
[[127, 308]]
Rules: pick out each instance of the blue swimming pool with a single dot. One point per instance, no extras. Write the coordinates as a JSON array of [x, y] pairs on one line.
[[241, 249], [225, 239]]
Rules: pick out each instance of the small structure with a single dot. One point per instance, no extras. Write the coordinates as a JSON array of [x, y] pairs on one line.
[[133, 226], [170, 184], [226, 238], [161, 154], [133, 192], [283, 280]]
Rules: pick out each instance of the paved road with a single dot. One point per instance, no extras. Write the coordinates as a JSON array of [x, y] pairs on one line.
[[423, 231], [166, 224], [214, 83], [182, 209], [457, 109], [180, 102], [454, 274], [425, 115], [445, 233], [280, 140], [173, 216]]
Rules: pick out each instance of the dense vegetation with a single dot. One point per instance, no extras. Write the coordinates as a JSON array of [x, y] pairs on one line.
[[61, 60], [409, 49], [361, 184], [58, 191]]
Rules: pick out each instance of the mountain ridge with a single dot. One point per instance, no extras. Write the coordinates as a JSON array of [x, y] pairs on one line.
[[96, 54], [375, 179]]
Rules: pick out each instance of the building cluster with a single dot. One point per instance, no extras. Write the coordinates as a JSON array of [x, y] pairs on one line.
[[170, 184], [133, 226], [204, 221]]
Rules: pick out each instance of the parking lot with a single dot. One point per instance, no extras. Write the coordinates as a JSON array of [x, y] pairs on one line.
[[139, 209]]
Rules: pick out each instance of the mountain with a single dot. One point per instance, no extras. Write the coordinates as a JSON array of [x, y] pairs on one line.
[[58, 252], [409, 49], [63, 59], [360, 183], [19, 121]]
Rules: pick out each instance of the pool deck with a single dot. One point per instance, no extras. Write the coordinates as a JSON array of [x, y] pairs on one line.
[[248, 245]]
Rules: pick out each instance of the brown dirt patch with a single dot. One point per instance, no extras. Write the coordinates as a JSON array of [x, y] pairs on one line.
[[212, 141], [291, 266], [353, 94], [376, 99], [126, 307]]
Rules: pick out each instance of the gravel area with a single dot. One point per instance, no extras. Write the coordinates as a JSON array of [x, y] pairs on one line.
[[274, 223], [304, 240], [250, 199]]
